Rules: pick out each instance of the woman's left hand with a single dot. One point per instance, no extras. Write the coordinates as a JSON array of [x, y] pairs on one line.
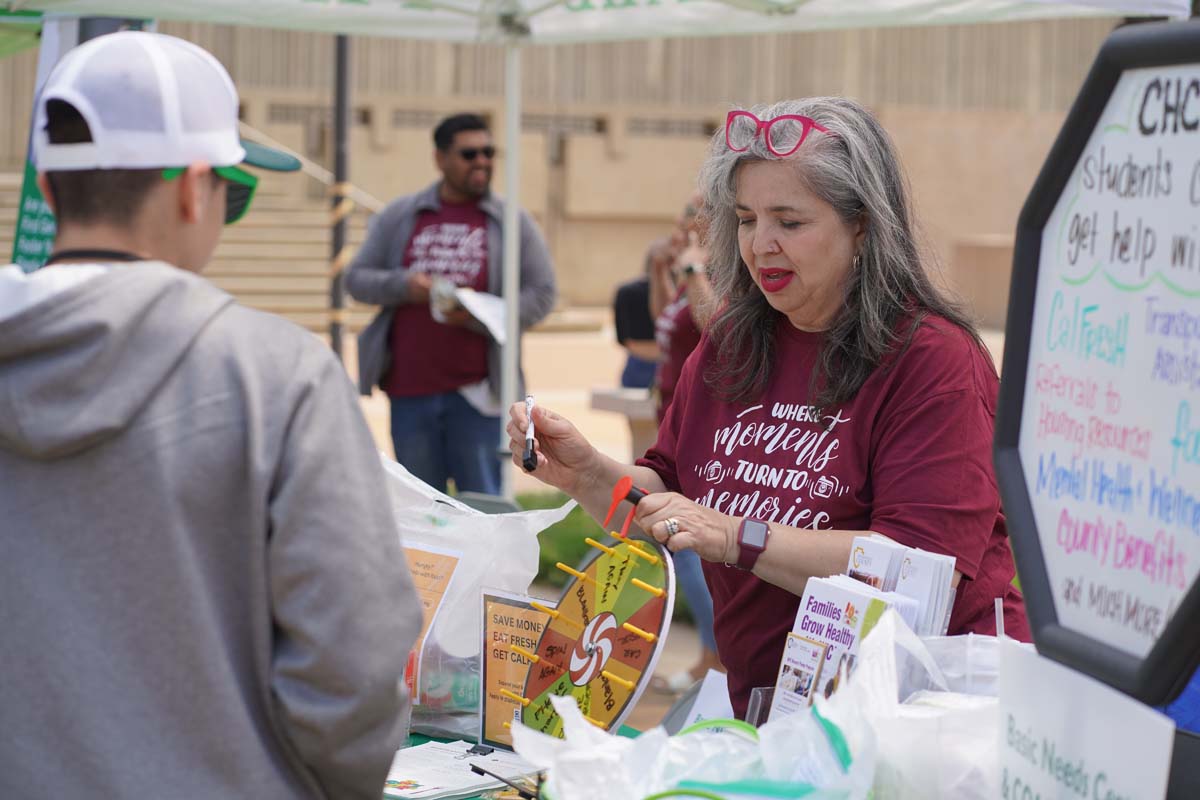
[[710, 533]]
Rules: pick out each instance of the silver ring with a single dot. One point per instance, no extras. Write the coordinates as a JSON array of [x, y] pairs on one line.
[[672, 526]]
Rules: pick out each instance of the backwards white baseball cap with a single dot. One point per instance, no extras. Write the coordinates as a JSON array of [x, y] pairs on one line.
[[150, 101]]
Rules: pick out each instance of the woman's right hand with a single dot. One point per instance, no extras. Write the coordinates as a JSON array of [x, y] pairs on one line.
[[564, 456]]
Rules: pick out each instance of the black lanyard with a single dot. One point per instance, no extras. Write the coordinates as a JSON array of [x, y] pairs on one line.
[[94, 256]]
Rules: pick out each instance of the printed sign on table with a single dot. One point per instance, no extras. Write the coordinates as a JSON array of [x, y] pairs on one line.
[[432, 570], [508, 619], [1065, 735]]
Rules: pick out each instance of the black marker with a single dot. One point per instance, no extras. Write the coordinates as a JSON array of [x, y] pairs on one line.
[[520, 790], [529, 457]]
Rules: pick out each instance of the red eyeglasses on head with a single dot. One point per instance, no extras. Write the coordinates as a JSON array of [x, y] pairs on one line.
[[783, 134]]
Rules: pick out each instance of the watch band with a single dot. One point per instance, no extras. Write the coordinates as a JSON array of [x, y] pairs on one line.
[[752, 541]]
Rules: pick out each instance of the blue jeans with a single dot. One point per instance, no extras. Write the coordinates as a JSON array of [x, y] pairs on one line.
[[638, 373], [442, 436], [691, 581]]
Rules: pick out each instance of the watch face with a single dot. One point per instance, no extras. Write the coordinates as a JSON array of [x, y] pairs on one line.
[[754, 534]]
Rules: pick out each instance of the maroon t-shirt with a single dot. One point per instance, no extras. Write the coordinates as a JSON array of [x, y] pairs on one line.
[[429, 357], [909, 457], [676, 334]]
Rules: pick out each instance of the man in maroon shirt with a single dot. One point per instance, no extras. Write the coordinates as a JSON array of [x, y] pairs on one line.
[[437, 363]]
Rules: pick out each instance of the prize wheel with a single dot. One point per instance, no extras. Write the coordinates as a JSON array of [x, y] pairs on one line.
[[603, 642]]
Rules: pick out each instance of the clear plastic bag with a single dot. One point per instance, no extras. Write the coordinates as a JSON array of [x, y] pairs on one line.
[[497, 551], [970, 664], [802, 755], [933, 706]]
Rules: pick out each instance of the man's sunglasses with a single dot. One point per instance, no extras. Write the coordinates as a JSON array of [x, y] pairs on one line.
[[238, 193], [471, 153]]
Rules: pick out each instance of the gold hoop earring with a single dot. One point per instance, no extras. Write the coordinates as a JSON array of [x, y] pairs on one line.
[[857, 261]]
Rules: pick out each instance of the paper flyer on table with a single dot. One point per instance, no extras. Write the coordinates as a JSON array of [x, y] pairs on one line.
[[442, 771], [799, 675], [432, 571], [712, 701]]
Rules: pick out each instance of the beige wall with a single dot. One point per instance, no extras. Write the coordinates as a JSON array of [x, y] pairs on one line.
[[593, 257], [630, 177], [970, 171]]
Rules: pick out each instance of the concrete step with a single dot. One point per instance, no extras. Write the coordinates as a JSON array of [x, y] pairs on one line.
[[312, 286], [267, 268], [288, 233], [250, 250], [302, 217], [579, 319], [312, 301], [318, 321]]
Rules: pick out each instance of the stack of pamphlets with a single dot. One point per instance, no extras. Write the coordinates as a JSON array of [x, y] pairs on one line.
[[442, 771], [836, 613], [876, 561], [925, 577]]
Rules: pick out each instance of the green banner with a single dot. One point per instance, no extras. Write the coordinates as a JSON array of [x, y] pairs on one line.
[[34, 234], [35, 225]]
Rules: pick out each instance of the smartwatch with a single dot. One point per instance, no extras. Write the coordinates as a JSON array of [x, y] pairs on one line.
[[692, 269], [752, 540]]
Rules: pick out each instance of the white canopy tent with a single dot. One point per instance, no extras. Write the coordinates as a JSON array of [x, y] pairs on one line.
[[518, 22], [561, 21]]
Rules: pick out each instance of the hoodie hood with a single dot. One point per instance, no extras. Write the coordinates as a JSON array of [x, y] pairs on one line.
[[78, 366]]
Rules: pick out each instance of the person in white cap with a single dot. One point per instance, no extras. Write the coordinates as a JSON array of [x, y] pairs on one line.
[[200, 592]]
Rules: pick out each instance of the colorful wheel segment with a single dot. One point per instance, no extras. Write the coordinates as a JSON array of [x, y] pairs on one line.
[[603, 641]]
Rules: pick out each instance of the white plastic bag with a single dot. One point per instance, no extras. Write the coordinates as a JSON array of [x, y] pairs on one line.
[[933, 707], [497, 551], [798, 756], [970, 663]]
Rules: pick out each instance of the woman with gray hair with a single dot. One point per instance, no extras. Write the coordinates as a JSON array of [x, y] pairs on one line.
[[836, 392]]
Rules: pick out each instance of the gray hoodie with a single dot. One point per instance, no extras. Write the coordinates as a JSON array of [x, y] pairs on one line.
[[202, 591]]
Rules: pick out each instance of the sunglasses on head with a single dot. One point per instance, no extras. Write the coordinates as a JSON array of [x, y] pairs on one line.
[[238, 194], [783, 135], [471, 153]]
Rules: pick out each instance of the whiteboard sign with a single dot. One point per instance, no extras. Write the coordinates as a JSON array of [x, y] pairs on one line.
[[1112, 449], [1098, 437]]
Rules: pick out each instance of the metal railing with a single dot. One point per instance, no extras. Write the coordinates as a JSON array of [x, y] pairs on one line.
[[314, 170]]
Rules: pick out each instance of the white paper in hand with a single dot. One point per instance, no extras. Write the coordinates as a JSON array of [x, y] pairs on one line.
[[488, 309]]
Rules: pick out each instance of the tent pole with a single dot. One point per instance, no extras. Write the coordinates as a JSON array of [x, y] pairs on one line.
[[342, 204], [512, 251]]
